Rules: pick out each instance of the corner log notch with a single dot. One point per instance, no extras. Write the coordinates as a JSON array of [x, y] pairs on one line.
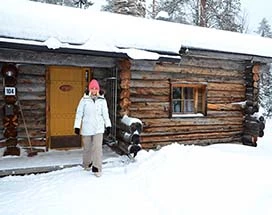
[[253, 126], [125, 76]]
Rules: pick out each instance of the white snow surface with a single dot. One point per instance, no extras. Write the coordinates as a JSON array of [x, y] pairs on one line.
[[219, 179], [65, 27]]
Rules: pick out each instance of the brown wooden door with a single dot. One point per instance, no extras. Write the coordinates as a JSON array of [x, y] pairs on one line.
[[66, 87]]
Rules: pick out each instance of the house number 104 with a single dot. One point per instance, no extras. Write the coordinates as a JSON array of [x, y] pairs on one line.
[[10, 91]]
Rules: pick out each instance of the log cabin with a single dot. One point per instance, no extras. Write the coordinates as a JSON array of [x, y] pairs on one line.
[[185, 84]]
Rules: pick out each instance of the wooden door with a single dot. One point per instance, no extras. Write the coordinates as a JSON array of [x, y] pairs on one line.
[[66, 87]]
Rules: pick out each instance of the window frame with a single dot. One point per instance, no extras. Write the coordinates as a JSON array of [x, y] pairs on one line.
[[196, 86]]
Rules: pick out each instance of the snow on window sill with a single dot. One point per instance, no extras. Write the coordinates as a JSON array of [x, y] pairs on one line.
[[187, 115]]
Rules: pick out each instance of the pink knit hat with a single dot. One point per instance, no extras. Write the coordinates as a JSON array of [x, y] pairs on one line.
[[94, 85]]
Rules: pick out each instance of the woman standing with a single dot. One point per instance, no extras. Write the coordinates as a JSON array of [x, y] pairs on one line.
[[92, 117]]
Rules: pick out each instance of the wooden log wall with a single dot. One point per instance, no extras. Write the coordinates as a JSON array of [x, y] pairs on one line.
[[31, 95], [150, 101]]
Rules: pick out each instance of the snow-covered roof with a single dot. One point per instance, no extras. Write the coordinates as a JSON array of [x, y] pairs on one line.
[[56, 27]]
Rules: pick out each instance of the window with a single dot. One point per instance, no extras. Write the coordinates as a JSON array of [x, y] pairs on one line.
[[188, 99]]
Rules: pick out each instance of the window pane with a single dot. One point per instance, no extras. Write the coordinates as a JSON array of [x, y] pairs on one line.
[[188, 106], [176, 93], [176, 106], [188, 93]]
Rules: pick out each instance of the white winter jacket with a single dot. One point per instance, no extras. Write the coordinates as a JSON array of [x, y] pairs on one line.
[[92, 116]]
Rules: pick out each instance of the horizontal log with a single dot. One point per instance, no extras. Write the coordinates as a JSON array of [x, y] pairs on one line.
[[30, 114], [31, 69], [212, 60], [31, 79], [230, 94], [142, 65], [33, 96], [163, 112], [198, 136], [224, 113], [220, 100], [31, 88], [149, 83], [30, 105], [197, 70], [204, 142], [192, 121], [35, 142], [169, 130], [147, 98], [149, 114], [39, 131], [232, 106], [164, 108], [143, 75], [148, 105], [226, 87], [32, 125], [150, 91]]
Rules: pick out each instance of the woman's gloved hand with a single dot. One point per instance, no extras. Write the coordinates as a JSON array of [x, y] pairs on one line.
[[108, 131], [77, 131]]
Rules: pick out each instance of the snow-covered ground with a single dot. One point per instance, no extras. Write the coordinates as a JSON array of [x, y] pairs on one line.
[[217, 179]]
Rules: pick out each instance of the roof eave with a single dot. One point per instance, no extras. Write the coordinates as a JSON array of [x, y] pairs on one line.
[[43, 48]]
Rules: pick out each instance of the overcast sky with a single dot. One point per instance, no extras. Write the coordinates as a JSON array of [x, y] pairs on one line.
[[256, 10]]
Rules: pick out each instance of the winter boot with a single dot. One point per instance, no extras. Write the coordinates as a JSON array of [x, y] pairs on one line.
[[96, 171]]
